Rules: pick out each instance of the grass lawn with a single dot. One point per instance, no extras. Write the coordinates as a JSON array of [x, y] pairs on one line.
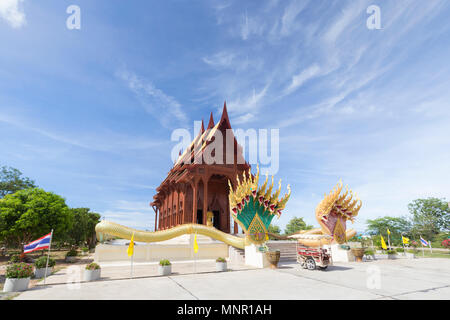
[[427, 254]]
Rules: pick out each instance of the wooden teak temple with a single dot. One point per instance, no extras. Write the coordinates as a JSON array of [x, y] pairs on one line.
[[192, 188]]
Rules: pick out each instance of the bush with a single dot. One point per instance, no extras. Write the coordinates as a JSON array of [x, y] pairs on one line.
[[85, 249], [400, 250], [92, 266], [42, 262], [391, 252], [72, 253], [369, 252], [15, 258], [446, 243], [164, 262], [19, 270], [220, 259]]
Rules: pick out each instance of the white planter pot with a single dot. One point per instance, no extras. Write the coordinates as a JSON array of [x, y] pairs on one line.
[[164, 270], [92, 275], [221, 266], [71, 259], [40, 273], [369, 256], [16, 284], [392, 256], [410, 255]]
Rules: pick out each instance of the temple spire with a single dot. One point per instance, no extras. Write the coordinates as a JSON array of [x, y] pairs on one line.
[[225, 115], [211, 122], [202, 130]]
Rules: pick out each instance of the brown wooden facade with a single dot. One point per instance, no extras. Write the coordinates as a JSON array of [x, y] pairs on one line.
[[191, 189]]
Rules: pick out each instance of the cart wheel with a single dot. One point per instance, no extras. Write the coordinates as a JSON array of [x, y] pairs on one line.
[[323, 268], [303, 265], [310, 264]]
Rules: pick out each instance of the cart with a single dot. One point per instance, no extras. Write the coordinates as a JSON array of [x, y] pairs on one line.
[[312, 258]]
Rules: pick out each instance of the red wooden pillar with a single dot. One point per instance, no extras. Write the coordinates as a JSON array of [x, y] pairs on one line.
[[205, 200], [176, 205], [183, 206], [194, 202]]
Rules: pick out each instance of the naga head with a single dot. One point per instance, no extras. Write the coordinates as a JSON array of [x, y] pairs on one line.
[[254, 207], [335, 209]]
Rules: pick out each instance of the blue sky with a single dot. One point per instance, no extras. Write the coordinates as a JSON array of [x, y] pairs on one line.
[[89, 113]]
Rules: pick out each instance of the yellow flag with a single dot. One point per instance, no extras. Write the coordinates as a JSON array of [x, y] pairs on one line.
[[405, 240], [383, 244], [195, 244], [130, 249], [267, 236], [389, 233]]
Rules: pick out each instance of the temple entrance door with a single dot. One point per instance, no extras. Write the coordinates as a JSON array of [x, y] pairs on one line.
[[216, 219], [199, 217]]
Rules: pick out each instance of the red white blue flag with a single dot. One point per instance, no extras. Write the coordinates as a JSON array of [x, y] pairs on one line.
[[424, 242], [39, 244]]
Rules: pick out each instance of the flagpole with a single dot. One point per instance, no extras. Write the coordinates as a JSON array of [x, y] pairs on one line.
[[131, 274], [431, 249], [423, 252], [389, 241], [48, 256]]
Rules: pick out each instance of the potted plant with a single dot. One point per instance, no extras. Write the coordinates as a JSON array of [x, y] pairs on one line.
[[358, 253], [392, 254], [84, 251], [165, 267], [221, 264], [273, 257], [18, 277], [40, 264], [92, 272], [369, 254], [71, 255]]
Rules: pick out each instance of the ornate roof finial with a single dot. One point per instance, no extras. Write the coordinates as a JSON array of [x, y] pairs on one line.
[[225, 115], [211, 122], [202, 130]]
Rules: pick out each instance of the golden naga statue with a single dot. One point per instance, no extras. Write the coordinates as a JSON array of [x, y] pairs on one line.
[[332, 214], [254, 207]]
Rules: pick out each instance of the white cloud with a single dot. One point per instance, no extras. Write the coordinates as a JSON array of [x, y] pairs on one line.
[[249, 104], [289, 22], [220, 59], [299, 79], [11, 11], [155, 101]]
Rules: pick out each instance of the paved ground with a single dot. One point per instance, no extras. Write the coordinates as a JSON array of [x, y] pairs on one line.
[[382, 279]]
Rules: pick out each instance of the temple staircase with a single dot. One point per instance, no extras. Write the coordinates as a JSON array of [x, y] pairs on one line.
[[288, 249]]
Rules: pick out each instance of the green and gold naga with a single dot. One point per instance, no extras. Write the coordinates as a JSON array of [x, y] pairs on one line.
[[254, 207]]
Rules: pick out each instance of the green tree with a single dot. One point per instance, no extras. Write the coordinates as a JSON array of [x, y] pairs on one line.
[[296, 224], [29, 214], [430, 217], [396, 225], [83, 229], [275, 230], [11, 180]]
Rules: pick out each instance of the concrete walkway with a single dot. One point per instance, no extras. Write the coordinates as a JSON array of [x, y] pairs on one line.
[[426, 278]]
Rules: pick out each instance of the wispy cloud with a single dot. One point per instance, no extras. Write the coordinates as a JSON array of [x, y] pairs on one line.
[[299, 79], [12, 12], [164, 107], [108, 141], [220, 59]]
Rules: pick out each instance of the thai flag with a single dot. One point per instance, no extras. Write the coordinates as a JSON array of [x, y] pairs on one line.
[[424, 242], [39, 244]]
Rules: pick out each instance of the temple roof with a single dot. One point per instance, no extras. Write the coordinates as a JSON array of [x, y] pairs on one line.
[[185, 162]]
